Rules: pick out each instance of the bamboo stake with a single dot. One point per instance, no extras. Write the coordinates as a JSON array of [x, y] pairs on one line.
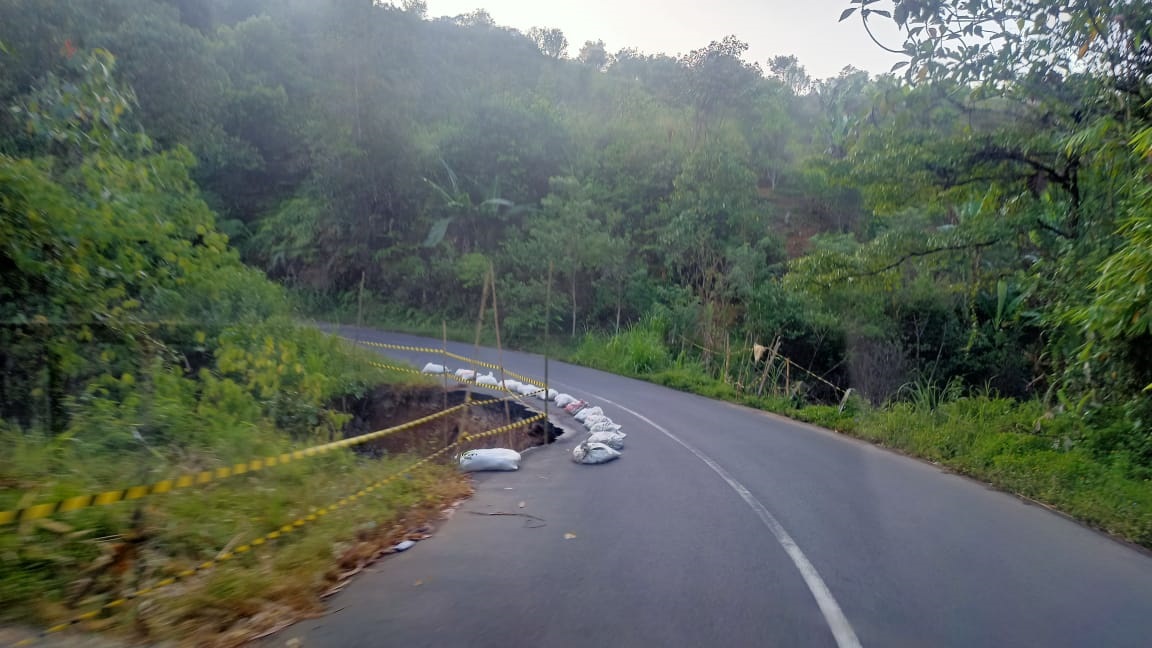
[[499, 346]]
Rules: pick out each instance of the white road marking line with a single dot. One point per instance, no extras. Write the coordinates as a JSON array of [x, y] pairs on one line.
[[838, 623]]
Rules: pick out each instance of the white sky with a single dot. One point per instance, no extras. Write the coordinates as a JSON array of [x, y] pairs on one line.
[[806, 28]]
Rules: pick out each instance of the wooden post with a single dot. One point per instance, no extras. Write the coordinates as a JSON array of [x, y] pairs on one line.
[[499, 348], [464, 413], [444, 363], [360, 301], [844, 401], [787, 377], [727, 355], [768, 367], [547, 313]]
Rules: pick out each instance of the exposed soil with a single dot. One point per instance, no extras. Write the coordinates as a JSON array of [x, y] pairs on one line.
[[387, 406]]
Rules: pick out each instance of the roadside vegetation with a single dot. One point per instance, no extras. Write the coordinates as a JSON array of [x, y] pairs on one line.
[[1021, 446], [964, 243], [136, 347]]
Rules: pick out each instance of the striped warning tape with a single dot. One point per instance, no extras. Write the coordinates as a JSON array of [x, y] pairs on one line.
[[397, 347], [381, 365], [457, 356], [208, 476], [284, 530], [488, 365]]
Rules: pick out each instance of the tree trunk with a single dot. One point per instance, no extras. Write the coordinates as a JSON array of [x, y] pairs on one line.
[[573, 304]]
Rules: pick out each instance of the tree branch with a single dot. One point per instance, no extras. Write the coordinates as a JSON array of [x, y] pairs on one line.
[[921, 253]]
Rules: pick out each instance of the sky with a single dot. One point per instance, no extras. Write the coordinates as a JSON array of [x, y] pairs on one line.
[[805, 28]]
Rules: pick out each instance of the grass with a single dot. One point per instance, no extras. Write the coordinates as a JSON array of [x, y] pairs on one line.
[[280, 393], [45, 563]]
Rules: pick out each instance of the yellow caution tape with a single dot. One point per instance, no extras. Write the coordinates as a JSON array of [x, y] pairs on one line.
[[389, 367], [208, 476], [276, 534], [397, 347]]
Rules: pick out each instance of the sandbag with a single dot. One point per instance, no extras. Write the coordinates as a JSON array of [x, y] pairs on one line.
[[512, 385], [527, 390], [593, 419], [541, 395], [490, 459], [465, 374], [563, 400], [604, 425], [586, 412], [575, 406], [593, 453], [614, 440], [488, 380], [433, 368]]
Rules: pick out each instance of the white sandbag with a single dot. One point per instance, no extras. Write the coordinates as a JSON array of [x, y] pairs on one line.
[[527, 390], [614, 440], [488, 380], [593, 453], [586, 412], [490, 459], [593, 419], [541, 395], [562, 400], [433, 368], [604, 425], [512, 385], [465, 374]]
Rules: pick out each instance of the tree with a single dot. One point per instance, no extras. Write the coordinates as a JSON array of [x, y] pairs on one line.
[[550, 41], [718, 80], [594, 55], [789, 71]]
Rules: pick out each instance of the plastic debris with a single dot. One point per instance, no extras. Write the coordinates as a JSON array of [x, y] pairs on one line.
[[614, 440], [404, 546], [433, 368], [593, 453], [490, 459], [466, 374]]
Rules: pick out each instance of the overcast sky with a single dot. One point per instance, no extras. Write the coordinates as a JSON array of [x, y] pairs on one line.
[[806, 28]]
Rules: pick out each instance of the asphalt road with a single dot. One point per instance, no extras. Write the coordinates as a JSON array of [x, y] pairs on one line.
[[725, 526]]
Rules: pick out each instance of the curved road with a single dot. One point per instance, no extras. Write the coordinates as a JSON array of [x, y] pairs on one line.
[[722, 525]]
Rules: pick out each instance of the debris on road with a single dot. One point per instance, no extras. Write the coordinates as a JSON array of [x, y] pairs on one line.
[[612, 439], [404, 546], [593, 453], [490, 459]]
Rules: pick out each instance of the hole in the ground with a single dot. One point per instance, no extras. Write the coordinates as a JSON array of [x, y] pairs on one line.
[[388, 406]]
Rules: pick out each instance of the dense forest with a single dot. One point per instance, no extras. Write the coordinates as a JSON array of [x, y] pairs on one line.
[[979, 218]]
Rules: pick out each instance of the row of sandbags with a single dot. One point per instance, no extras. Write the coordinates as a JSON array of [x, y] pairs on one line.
[[605, 440], [490, 380]]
